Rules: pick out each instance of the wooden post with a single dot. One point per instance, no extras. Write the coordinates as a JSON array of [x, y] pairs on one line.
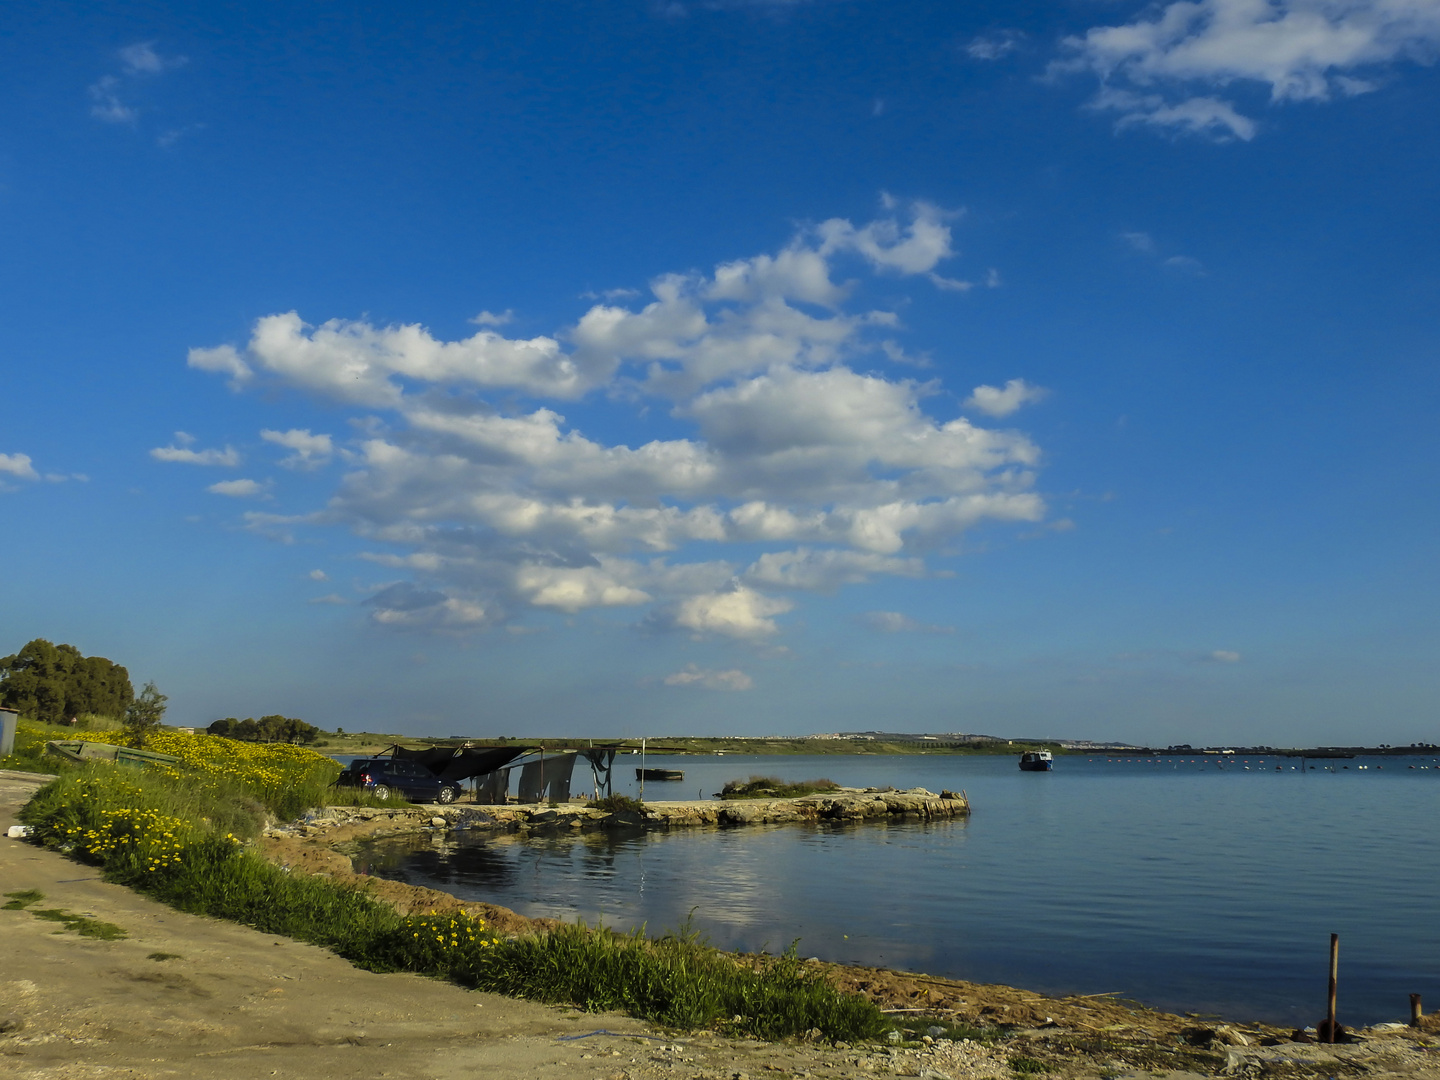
[[1414, 1010], [1334, 977]]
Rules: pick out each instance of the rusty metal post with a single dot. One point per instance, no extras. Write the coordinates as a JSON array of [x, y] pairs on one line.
[[1414, 1010], [1334, 977]]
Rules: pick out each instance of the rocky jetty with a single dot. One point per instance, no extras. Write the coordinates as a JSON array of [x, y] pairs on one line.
[[339, 823]]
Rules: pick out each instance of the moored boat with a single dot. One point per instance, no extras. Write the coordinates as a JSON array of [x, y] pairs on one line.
[[1036, 761], [659, 774]]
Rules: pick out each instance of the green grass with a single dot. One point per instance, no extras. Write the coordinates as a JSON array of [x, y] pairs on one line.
[[677, 980], [1021, 1065], [30, 740], [772, 787], [83, 925]]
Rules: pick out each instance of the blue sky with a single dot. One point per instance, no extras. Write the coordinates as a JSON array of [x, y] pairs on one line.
[[636, 368]]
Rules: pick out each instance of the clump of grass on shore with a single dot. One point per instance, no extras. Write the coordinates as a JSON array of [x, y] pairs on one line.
[[772, 787], [617, 804], [179, 834]]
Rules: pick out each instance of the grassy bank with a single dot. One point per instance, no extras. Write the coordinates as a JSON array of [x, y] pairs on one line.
[[182, 833]]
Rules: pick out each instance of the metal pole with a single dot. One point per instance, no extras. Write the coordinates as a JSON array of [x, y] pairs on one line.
[[642, 769], [1334, 977], [1414, 1010]]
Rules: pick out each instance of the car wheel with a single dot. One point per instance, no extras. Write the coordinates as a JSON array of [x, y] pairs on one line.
[[445, 795], [380, 791]]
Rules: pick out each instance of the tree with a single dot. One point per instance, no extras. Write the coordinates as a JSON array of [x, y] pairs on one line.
[[273, 728], [52, 683], [142, 718]]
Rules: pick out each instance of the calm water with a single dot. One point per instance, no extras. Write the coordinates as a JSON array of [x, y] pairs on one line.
[[1187, 886]]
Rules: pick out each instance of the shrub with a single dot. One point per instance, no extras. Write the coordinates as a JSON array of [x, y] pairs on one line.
[[615, 804], [772, 787]]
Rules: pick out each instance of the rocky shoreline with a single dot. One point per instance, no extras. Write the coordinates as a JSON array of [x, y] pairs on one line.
[[844, 805]]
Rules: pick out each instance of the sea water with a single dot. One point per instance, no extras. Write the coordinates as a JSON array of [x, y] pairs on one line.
[[1185, 882]]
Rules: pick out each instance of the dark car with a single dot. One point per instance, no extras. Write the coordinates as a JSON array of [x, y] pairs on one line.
[[381, 776]]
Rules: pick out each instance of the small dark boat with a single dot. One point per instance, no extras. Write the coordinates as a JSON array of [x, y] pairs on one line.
[[1036, 761], [659, 774]]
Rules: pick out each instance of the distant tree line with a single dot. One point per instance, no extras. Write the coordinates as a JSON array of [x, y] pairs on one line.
[[56, 683], [273, 728]]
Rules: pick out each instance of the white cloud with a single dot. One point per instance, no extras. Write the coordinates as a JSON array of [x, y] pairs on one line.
[[1302, 50], [319, 575], [738, 612], [142, 59], [228, 458], [136, 61], [239, 489], [571, 589], [1223, 656], [998, 402], [708, 679], [826, 570], [105, 103], [328, 598], [915, 248], [894, 622], [307, 451], [490, 318], [404, 606], [222, 360], [994, 46], [470, 479], [18, 465]]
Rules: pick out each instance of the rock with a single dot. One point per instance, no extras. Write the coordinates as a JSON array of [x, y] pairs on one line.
[[10, 1023], [437, 820], [1230, 1037], [935, 1031]]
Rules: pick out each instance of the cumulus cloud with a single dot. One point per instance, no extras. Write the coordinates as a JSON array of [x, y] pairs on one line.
[[994, 46], [407, 606], [137, 61], [894, 622], [223, 360], [239, 489], [307, 451], [996, 401], [319, 575], [19, 466], [185, 454], [105, 103], [142, 59], [1155, 70], [470, 477], [739, 612], [707, 679]]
